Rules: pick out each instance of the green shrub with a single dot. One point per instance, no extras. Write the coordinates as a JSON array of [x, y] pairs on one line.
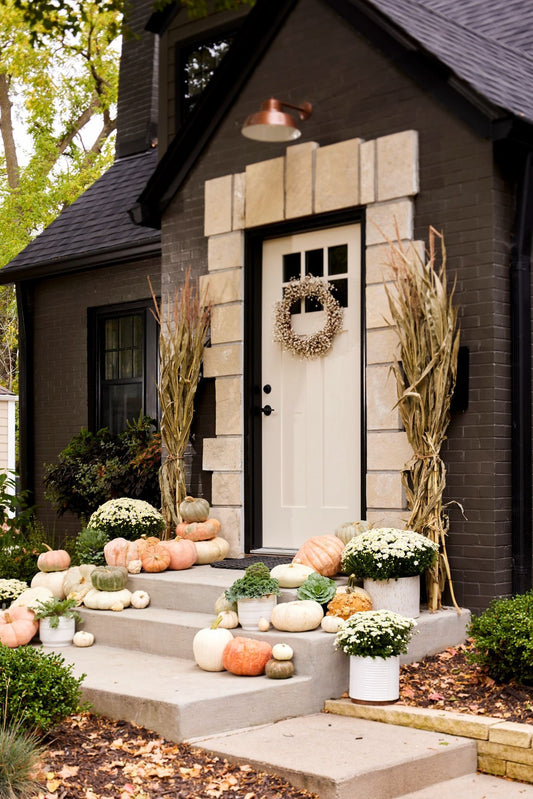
[[127, 518], [40, 688], [89, 546], [20, 752], [503, 639], [95, 467]]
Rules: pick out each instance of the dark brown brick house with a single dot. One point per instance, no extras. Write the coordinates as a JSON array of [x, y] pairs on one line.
[[422, 115]]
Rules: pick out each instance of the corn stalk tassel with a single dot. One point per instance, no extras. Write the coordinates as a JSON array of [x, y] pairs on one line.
[[182, 337], [426, 370]]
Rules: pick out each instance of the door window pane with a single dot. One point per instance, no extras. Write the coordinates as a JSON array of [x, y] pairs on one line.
[[291, 266], [314, 263], [338, 259]]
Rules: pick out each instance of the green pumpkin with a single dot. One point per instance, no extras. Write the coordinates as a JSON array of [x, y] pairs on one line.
[[279, 669], [109, 578]]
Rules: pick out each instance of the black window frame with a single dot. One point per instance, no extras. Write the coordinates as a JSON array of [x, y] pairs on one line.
[[96, 319]]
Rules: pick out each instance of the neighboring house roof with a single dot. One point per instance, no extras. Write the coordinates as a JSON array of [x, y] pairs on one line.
[[95, 230], [476, 55]]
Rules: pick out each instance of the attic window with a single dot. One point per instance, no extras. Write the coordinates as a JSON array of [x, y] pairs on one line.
[[197, 63]]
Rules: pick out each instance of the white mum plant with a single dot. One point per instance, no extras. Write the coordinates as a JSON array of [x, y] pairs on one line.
[[387, 553], [127, 518]]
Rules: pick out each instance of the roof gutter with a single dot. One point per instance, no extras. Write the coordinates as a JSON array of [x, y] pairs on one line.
[[521, 447]]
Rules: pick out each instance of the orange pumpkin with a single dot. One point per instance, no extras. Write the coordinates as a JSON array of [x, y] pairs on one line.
[[182, 553], [54, 560], [199, 531], [246, 656], [120, 551], [142, 543], [17, 626], [155, 557], [322, 553]]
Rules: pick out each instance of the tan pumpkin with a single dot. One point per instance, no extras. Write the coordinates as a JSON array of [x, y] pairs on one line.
[[120, 552], [209, 551], [331, 624], [51, 580], [352, 600], [298, 616], [54, 560], [199, 531], [182, 553], [291, 575], [155, 558], [349, 530], [246, 656], [194, 509], [228, 619], [107, 600], [17, 626], [322, 553]]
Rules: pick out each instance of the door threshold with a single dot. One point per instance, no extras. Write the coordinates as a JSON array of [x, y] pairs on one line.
[[284, 553]]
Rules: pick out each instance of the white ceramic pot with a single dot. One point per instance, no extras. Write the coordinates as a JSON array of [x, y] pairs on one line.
[[250, 611], [61, 635], [401, 595], [374, 681]]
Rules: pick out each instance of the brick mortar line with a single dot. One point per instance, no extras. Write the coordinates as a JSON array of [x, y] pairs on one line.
[[504, 749]]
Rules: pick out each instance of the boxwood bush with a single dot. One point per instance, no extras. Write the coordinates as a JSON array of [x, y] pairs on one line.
[[503, 639]]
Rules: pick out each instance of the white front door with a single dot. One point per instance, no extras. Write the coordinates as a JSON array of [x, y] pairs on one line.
[[311, 441]]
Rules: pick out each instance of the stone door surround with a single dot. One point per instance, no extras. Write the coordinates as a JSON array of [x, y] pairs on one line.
[[379, 174]]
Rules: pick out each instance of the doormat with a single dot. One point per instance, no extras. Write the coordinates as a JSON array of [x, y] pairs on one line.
[[242, 563]]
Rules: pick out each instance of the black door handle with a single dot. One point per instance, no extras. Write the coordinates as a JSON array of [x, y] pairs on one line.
[[267, 410]]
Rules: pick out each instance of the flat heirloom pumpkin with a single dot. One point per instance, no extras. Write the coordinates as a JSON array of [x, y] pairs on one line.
[[246, 657], [322, 553], [109, 578], [209, 551], [291, 575], [17, 626], [107, 600], [298, 616], [120, 552], [194, 509], [54, 560], [199, 531]]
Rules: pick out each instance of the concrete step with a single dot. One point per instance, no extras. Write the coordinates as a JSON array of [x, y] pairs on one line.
[[475, 786], [339, 759]]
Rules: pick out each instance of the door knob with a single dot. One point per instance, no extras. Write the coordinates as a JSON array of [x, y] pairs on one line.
[[267, 410]]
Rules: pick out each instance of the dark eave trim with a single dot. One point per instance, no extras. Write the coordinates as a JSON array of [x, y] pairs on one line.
[[81, 263]]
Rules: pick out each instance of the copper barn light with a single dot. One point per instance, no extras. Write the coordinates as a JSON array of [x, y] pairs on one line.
[[272, 124]]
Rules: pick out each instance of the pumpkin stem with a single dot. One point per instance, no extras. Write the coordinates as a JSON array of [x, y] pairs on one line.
[[7, 617], [216, 622], [189, 499], [351, 584]]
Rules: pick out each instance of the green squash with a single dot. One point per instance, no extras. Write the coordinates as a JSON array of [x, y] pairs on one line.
[[109, 578]]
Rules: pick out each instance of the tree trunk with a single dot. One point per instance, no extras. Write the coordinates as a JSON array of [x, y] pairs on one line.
[[6, 127]]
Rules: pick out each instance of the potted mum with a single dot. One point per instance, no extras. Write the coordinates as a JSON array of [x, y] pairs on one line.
[[390, 561], [127, 518], [255, 593], [374, 640], [10, 590], [57, 621]]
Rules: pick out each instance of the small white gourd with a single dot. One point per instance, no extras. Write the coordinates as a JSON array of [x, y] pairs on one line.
[[83, 638], [224, 604], [331, 624], [140, 599], [282, 652], [228, 619], [134, 566], [263, 625]]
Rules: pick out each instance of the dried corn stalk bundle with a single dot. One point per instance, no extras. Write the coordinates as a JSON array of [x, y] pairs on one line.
[[183, 332], [426, 370]]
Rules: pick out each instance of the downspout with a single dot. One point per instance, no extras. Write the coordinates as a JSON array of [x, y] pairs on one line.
[[26, 438], [521, 448]]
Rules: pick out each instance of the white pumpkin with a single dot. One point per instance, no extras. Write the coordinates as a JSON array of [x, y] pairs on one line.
[[331, 624], [140, 599], [208, 646], [78, 580], [228, 619], [105, 600], [349, 530], [51, 580], [224, 604], [282, 652], [83, 638], [298, 616], [263, 625], [291, 575], [208, 551], [31, 597]]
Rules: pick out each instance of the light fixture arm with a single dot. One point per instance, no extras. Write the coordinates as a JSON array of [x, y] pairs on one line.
[[304, 110]]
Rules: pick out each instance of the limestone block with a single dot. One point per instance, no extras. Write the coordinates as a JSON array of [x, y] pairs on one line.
[[226, 323], [397, 165], [378, 256], [265, 192], [225, 251], [231, 528], [377, 307], [222, 454], [389, 221], [381, 399], [384, 490], [367, 158], [239, 188], [223, 359], [227, 488], [513, 734], [491, 765], [218, 205], [228, 392], [221, 287], [517, 754], [387, 451], [299, 169], [519, 771], [337, 176], [388, 518], [381, 345]]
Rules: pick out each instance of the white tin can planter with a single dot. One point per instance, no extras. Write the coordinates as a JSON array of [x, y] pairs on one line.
[[374, 681], [401, 595], [61, 635], [250, 611]]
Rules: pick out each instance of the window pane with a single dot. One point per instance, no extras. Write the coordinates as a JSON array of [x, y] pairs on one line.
[[111, 334], [314, 263], [312, 304], [111, 366], [340, 291], [120, 404], [291, 266], [338, 260], [296, 307], [126, 332], [198, 67], [125, 364]]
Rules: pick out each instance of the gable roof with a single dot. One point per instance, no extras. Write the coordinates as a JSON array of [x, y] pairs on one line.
[[475, 55], [95, 229]]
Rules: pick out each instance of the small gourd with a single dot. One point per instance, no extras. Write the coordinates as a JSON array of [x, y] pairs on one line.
[[208, 646], [140, 599], [109, 578], [279, 669], [194, 509], [246, 657], [291, 575], [224, 604], [228, 619], [282, 652], [209, 551], [331, 624], [298, 616], [83, 638], [263, 625], [53, 560], [134, 566]]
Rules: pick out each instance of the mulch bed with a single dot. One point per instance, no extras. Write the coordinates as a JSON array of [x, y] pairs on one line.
[[91, 757]]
